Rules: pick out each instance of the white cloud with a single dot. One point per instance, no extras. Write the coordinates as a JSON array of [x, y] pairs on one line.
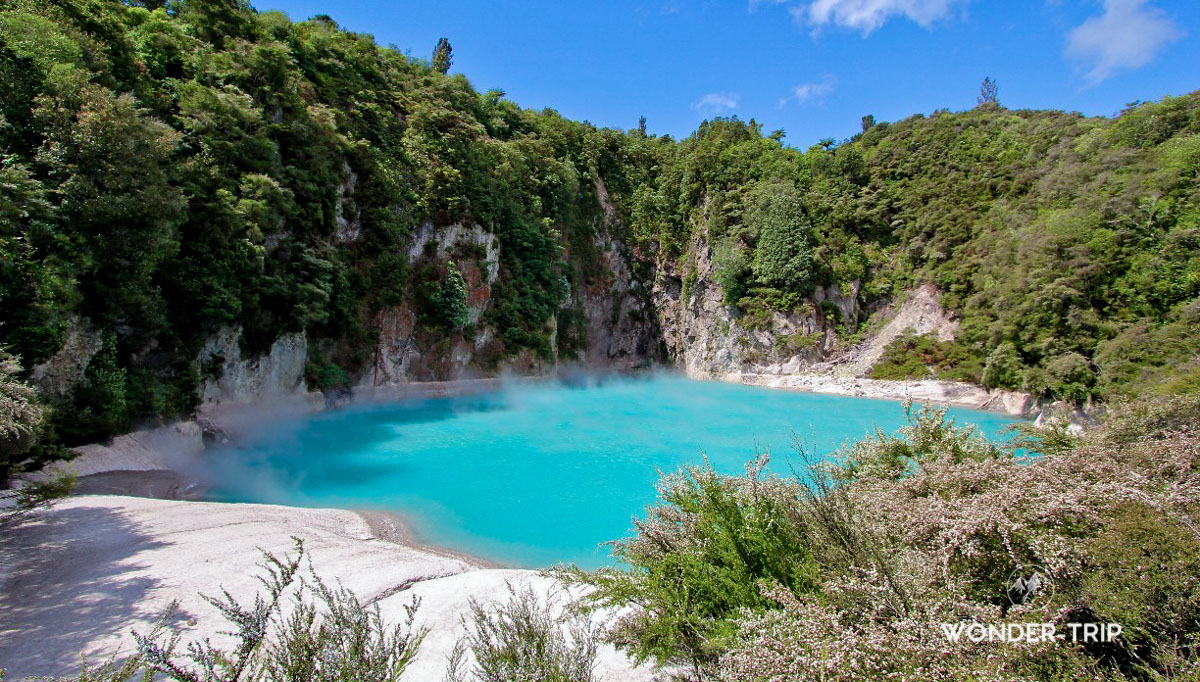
[[809, 91], [717, 102], [1128, 35], [868, 15]]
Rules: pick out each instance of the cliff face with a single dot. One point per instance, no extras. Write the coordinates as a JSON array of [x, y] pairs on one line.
[[707, 338], [621, 314], [406, 351], [620, 324], [613, 319]]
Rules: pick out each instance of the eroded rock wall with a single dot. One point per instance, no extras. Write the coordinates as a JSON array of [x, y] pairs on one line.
[[707, 338], [56, 376], [237, 379]]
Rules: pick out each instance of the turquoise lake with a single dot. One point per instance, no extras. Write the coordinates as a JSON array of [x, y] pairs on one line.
[[544, 473]]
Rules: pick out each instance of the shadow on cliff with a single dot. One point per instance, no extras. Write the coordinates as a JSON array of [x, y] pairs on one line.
[[65, 587]]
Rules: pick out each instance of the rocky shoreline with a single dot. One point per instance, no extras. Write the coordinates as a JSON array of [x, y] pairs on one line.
[[957, 394]]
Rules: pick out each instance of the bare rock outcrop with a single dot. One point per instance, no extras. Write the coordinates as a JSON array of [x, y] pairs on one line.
[[920, 313], [64, 369], [405, 352], [275, 375], [709, 339], [620, 324], [347, 216]]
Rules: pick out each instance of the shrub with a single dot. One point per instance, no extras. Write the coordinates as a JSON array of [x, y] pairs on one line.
[[902, 533], [20, 413], [696, 559], [97, 406], [522, 639], [327, 635], [922, 356], [325, 375], [1071, 376], [1142, 574]]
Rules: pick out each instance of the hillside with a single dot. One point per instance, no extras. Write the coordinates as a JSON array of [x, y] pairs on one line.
[[185, 190]]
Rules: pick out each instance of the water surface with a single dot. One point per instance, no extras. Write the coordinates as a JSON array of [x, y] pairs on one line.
[[538, 474]]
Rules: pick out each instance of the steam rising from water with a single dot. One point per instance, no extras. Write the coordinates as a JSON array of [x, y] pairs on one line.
[[531, 474]]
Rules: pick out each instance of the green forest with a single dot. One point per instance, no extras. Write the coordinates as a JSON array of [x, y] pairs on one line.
[[168, 169]]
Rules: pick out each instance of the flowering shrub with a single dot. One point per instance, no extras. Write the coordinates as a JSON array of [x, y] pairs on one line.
[[807, 640], [903, 534], [525, 639]]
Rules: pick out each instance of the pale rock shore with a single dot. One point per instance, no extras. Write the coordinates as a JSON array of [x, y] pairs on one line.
[[1012, 403], [77, 579], [953, 393]]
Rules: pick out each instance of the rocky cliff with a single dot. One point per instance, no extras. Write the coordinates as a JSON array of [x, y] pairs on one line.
[[709, 339], [625, 311]]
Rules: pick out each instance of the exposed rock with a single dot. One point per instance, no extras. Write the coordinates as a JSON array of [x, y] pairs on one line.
[[458, 235], [146, 450], [277, 374], [396, 351], [921, 313], [708, 339], [1077, 418], [346, 214], [606, 204], [1014, 403], [64, 369], [619, 322], [945, 392], [406, 352], [479, 289], [845, 302]]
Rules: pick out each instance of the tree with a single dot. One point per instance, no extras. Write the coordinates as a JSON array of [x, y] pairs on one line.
[[443, 56], [35, 283], [111, 165], [99, 406], [784, 257], [1003, 368], [868, 122], [442, 299], [20, 413], [454, 299], [989, 94], [641, 126], [731, 269]]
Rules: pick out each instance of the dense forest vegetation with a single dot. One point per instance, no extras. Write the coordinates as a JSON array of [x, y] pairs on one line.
[[170, 169]]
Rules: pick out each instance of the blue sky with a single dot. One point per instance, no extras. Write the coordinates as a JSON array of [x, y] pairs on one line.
[[810, 67]]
